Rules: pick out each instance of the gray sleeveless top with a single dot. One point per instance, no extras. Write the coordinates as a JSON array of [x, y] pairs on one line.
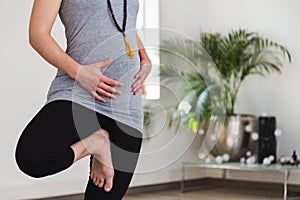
[[92, 37]]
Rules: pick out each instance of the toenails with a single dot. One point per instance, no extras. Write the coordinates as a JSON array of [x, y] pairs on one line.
[[107, 189], [96, 181], [101, 183], [108, 184]]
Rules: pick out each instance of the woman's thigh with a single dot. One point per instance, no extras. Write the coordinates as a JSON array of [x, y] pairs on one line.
[[44, 145]]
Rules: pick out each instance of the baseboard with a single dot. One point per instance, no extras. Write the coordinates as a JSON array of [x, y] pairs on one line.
[[141, 189], [68, 197], [193, 183], [166, 186]]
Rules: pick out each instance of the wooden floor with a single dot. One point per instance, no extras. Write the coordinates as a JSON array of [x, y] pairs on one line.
[[208, 194], [228, 193]]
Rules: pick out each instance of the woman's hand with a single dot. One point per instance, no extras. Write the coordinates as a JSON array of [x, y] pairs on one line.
[[146, 66], [91, 79]]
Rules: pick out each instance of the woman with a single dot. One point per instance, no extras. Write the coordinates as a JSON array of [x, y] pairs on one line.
[[94, 102]]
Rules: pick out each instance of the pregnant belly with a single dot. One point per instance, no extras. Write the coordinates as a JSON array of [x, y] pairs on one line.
[[123, 70]]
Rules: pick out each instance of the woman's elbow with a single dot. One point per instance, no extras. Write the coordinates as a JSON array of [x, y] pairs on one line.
[[33, 39], [36, 38], [30, 40]]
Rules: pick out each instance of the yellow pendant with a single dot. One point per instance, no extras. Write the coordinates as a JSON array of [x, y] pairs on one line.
[[129, 49]]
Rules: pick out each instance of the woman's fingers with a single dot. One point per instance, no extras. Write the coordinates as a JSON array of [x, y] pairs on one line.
[[138, 84], [110, 81], [104, 87], [109, 88], [137, 89], [145, 69], [139, 81], [98, 85], [105, 93], [98, 97], [139, 74]]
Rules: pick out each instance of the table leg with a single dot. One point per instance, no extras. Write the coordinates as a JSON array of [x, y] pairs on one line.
[[224, 177], [183, 177], [285, 189]]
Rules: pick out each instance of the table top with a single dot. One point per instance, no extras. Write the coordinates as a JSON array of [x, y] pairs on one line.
[[239, 166]]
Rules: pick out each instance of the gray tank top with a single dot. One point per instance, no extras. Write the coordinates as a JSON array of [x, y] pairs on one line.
[[92, 37]]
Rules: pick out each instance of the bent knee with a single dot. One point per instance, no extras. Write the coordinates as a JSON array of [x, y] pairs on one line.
[[29, 169], [28, 164]]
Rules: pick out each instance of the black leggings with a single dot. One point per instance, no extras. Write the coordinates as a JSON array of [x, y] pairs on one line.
[[44, 146]]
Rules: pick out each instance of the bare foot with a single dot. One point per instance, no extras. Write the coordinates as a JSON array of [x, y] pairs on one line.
[[102, 171], [102, 174], [98, 145]]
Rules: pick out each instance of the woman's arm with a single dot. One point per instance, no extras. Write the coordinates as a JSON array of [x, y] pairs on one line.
[[44, 13], [42, 18], [146, 66]]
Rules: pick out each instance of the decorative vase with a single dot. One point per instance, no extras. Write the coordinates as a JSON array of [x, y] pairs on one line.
[[236, 137]]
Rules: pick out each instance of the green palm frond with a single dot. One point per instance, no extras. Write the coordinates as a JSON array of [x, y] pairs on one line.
[[186, 49], [203, 109], [236, 56]]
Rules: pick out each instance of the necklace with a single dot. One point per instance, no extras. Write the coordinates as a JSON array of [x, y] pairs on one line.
[[129, 48]]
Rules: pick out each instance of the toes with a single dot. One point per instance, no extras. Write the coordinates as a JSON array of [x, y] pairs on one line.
[[101, 182], [108, 184], [96, 181]]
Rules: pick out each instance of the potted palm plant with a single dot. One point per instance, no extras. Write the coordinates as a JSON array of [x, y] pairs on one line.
[[236, 55]]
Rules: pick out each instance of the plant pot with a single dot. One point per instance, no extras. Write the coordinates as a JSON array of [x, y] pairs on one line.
[[235, 137]]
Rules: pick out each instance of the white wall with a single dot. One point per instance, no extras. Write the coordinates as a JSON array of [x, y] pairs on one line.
[[25, 78]]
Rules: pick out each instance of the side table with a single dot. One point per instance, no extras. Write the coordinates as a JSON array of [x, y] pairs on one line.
[[242, 167]]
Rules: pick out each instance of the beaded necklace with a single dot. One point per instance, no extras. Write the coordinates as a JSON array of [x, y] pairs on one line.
[[129, 48]]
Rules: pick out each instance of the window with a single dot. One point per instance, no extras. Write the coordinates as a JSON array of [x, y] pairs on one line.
[[148, 30]]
